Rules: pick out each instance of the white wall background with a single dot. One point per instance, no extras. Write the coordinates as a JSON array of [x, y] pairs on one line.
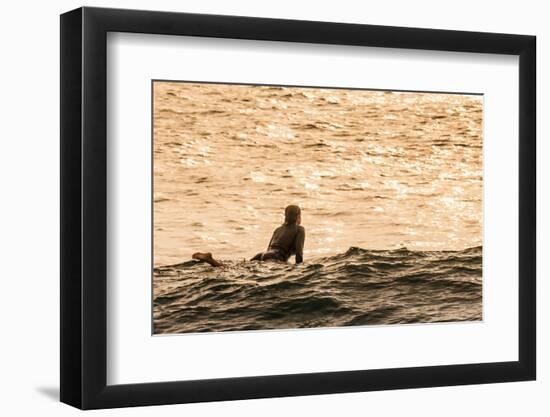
[[29, 219]]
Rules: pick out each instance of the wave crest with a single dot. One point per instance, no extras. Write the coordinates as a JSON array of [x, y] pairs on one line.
[[357, 287]]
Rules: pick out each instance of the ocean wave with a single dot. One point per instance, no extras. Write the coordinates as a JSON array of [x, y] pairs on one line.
[[357, 287]]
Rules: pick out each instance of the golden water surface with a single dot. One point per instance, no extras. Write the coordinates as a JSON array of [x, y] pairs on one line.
[[370, 169]]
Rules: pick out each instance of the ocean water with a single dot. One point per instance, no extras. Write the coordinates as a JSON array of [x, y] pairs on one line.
[[390, 186], [358, 287]]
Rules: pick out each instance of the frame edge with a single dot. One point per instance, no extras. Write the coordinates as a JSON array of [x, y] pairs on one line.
[[527, 208], [70, 208]]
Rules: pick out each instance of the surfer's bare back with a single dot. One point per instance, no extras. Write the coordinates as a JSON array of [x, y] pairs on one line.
[[287, 240]]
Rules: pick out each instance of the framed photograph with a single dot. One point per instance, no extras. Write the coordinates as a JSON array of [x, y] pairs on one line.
[[259, 208]]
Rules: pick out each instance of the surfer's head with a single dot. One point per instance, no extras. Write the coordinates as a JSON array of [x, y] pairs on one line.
[[293, 215]]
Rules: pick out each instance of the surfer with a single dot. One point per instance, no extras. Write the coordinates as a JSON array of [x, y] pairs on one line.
[[287, 240]]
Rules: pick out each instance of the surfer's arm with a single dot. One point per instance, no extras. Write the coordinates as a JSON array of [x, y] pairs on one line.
[[271, 241], [299, 244]]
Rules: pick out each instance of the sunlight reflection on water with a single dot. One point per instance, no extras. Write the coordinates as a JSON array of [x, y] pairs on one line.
[[370, 169]]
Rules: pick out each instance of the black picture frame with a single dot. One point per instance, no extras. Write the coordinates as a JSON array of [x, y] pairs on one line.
[[84, 207]]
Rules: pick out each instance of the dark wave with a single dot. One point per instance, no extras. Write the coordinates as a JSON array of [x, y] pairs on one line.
[[357, 287]]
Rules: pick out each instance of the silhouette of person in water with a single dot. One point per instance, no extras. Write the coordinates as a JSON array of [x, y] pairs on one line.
[[287, 240]]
